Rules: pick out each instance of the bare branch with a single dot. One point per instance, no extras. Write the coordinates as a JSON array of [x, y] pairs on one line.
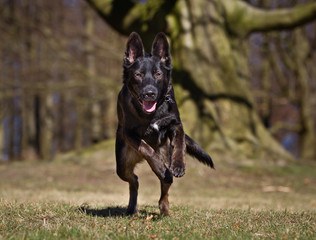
[[127, 16], [242, 18], [285, 126]]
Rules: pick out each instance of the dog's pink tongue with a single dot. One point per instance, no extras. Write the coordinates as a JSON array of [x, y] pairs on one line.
[[149, 106]]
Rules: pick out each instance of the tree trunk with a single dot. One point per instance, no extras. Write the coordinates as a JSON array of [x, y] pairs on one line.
[[211, 70], [2, 114], [308, 141], [61, 130], [1, 127], [44, 125], [211, 73], [95, 127], [79, 124]]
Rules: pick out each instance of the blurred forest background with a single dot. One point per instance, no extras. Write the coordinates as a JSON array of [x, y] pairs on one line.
[[61, 71]]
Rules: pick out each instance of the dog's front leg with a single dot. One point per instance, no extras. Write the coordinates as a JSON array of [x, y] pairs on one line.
[[148, 153], [178, 154]]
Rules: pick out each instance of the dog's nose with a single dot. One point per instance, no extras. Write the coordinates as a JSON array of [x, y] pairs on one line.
[[149, 94]]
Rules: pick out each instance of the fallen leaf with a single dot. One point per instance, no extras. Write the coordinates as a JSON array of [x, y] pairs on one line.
[[306, 181], [237, 227], [149, 217]]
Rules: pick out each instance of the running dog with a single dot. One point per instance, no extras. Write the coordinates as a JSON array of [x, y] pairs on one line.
[[149, 124]]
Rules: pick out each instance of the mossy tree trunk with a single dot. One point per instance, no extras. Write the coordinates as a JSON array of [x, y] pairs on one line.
[[1, 126], [211, 74], [307, 133]]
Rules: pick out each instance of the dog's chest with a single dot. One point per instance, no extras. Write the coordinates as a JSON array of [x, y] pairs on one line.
[[158, 131], [155, 135]]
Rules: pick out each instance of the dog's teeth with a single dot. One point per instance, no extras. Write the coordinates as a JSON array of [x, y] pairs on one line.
[[155, 126]]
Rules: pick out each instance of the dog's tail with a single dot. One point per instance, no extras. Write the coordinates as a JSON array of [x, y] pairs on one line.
[[196, 151]]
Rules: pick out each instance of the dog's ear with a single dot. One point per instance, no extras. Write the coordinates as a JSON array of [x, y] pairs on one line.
[[160, 48], [134, 48]]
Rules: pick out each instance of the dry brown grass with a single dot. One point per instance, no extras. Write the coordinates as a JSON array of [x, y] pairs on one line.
[[89, 177]]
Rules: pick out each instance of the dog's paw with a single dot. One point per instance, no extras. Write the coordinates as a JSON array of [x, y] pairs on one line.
[[178, 169], [131, 210]]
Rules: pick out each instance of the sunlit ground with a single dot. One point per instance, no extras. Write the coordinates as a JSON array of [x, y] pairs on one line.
[[90, 178]]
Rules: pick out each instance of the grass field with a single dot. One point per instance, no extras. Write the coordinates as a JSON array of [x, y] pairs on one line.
[[79, 196]]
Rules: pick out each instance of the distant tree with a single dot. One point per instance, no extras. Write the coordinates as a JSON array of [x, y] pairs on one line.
[[287, 83], [55, 74]]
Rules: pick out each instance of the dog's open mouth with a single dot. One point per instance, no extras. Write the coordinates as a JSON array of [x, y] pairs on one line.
[[149, 106]]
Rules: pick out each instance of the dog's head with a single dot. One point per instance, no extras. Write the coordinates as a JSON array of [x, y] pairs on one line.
[[147, 76]]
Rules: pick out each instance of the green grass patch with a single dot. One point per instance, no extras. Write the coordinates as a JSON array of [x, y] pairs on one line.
[[64, 221]]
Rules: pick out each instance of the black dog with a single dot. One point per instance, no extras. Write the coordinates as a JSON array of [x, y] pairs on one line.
[[149, 122]]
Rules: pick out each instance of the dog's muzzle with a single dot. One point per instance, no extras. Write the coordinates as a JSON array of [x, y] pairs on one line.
[[149, 98]]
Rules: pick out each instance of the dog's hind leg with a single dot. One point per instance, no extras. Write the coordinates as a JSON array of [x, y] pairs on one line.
[[126, 172], [165, 184], [126, 160], [163, 201], [133, 191]]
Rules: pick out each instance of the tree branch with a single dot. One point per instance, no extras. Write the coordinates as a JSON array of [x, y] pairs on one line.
[[243, 19], [127, 16], [112, 11], [295, 127]]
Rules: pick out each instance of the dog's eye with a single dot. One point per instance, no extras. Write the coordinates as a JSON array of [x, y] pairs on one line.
[[158, 75], [138, 75]]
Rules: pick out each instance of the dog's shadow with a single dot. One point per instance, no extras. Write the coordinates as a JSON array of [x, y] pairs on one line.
[[106, 212], [115, 212]]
